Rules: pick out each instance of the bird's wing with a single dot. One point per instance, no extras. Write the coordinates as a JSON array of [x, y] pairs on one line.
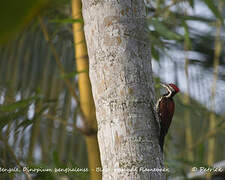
[[165, 112]]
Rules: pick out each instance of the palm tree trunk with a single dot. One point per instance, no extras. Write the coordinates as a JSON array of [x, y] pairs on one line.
[[86, 97], [122, 84], [212, 122], [186, 100]]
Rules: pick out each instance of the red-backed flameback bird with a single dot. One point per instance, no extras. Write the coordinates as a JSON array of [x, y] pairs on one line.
[[165, 108]]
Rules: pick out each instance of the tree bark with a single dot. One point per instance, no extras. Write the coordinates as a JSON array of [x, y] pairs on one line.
[[122, 85]]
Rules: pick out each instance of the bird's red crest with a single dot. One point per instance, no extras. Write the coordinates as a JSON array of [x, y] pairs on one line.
[[176, 89]]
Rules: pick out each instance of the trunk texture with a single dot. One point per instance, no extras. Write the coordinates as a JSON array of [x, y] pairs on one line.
[[122, 84]]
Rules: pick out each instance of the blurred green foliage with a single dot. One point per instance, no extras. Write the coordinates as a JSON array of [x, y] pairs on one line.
[[15, 15]]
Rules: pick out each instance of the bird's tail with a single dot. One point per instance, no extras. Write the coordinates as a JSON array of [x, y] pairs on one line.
[[161, 140]]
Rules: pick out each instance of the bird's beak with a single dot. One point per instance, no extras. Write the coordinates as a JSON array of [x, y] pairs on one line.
[[164, 85]]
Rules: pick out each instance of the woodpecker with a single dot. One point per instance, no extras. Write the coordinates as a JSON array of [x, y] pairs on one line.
[[165, 108]]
